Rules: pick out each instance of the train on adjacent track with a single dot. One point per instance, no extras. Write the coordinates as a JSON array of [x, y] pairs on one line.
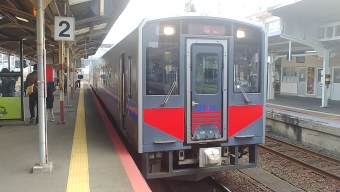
[[188, 92]]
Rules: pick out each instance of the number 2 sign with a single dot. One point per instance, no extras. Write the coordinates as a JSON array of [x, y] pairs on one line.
[[64, 28]]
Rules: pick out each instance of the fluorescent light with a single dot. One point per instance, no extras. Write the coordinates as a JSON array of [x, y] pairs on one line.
[[310, 51], [240, 34], [21, 19], [169, 30], [74, 2], [100, 26], [83, 30]]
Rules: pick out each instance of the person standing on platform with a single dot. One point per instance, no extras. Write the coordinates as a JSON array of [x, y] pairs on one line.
[[50, 100], [79, 77], [31, 79], [8, 84]]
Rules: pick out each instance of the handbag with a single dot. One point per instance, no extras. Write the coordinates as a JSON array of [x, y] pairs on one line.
[[29, 89]]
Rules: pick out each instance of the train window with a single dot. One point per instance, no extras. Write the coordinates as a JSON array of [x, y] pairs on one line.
[[246, 68], [206, 73], [162, 68]]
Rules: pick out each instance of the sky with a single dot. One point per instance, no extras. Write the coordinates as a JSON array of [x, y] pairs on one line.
[[136, 10]]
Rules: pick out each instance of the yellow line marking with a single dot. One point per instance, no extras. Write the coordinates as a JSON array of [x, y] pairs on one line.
[[324, 113], [78, 176]]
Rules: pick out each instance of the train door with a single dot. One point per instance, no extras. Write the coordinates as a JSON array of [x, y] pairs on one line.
[[122, 90], [207, 92]]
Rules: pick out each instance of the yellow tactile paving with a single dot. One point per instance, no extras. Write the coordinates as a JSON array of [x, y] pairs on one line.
[[78, 177]]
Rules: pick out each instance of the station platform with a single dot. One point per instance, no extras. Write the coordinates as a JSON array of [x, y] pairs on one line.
[[307, 108], [302, 119], [86, 152]]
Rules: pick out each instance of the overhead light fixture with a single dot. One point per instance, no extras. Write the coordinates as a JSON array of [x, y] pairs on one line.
[[83, 30], [310, 51], [240, 33], [100, 26], [21, 19], [74, 2]]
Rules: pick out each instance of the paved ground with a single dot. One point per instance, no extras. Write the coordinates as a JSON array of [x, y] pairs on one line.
[[19, 146]]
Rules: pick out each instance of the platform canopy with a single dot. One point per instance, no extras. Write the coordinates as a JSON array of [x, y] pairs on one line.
[[18, 21], [306, 23]]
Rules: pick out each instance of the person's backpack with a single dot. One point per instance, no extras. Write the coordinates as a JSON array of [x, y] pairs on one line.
[[80, 76]]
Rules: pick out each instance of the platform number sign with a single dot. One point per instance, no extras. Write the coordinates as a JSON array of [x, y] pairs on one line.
[[64, 28]]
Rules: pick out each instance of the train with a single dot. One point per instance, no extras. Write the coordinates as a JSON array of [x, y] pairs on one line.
[[188, 94]]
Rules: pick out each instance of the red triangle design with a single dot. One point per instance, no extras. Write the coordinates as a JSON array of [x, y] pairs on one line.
[[168, 120], [239, 117]]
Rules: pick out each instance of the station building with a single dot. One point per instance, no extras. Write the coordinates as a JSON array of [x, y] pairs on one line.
[[311, 36]]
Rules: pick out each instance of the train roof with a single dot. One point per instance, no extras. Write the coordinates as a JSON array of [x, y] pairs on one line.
[[201, 16]]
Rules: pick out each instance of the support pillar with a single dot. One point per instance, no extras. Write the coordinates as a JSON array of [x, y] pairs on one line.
[[61, 82], [326, 70], [67, 52], [43, 166], [271, 78], [72, 76]]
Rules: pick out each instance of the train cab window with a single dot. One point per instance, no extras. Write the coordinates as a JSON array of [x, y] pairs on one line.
[[206, 73], [161, 46], [247, 68], [162, 68]]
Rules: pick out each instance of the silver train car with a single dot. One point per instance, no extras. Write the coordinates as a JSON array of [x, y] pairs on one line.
[[188, 92]]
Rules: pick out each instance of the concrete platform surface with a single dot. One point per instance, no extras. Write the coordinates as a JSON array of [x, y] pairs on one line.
[[102, 166], [306, 108]]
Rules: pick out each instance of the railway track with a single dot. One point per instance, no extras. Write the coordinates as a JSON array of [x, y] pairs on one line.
[[316, 162], [210, 184]]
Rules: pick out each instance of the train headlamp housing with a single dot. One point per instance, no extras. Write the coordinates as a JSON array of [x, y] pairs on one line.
[[169, 30], [151, 156], [240, 33]]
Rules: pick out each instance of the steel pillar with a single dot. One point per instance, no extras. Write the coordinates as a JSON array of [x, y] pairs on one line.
[[68, 88], [41, 82], [72, 75], [61, 82], [271, 77], [326, 70], [43, 166]]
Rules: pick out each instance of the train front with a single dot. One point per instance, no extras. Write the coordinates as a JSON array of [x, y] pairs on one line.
[[203, 98]]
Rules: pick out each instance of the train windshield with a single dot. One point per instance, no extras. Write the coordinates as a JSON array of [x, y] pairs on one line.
[[246, 68], [162, 56]]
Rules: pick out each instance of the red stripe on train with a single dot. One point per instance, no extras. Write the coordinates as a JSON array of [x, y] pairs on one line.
[[239, 117], [206, 112], [204, 117], [168, 120]]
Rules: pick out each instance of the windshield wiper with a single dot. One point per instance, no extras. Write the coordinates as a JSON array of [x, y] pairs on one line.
[[246, 99], [174, 84]]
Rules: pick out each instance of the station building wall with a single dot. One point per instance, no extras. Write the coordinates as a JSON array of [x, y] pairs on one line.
[[303, 78]]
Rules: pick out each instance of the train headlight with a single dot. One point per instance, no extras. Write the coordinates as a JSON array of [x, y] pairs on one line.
[[240, 33], [151, 156], [169, 30], [158, 155]]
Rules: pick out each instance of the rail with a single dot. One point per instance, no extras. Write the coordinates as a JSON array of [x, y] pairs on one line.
[[315, 169]]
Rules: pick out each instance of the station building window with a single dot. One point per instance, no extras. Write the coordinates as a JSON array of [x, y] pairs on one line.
[[289, 74]]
